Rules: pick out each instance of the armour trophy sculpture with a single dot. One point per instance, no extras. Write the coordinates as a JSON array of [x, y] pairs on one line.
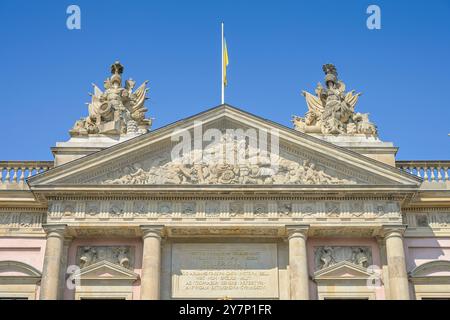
[[116, 111], [332, 109]]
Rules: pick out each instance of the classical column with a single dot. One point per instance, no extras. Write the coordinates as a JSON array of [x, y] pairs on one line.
[[151, 262], [63, 269], [398, 278], [298, 262], [52, 261]]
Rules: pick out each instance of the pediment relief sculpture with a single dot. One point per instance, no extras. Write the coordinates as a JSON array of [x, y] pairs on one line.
[[117, 110], [288, 172], [327, 256], [208, 168], [332, 109], [120, 255]]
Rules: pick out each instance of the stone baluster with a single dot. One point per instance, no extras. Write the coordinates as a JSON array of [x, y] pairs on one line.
[[14, 178], [418, 172], [22, 174], [432, 175], [7, 176], [425, 173], [439, 175]]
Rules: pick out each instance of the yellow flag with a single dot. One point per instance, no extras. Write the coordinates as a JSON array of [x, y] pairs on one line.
[[225, 62]]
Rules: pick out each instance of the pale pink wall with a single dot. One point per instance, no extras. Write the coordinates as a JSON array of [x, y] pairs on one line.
[[318, 242], [136, 243], [421, 250], [27, 250]]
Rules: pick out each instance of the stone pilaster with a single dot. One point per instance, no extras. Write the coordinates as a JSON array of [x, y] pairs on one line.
[[298, 262], [51, 271], [395, 256], [151, 262]]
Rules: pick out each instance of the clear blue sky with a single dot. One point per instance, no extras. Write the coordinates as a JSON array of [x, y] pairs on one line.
[[276, 49]]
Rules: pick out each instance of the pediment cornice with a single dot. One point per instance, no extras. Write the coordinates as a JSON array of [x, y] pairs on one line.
[[335, 165]]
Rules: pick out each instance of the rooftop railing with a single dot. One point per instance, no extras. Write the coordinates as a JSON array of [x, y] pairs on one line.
[[14, 173], [428, 170]]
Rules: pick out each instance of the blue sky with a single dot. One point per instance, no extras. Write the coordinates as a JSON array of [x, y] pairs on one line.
[[276, 49]]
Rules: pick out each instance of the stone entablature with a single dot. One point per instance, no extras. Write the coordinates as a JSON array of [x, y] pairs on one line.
[[22, 221], [168, 209], [428, 218]]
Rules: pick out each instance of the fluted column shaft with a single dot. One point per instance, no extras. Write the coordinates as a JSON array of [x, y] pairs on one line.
[[298, 262], [151, 263]]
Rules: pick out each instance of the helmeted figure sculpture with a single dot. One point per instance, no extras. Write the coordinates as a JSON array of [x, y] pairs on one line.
[[116, 111], [332, 109]]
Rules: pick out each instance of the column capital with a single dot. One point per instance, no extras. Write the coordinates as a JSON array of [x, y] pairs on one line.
[[394, 230], [55, 230], [297, 230], [154, 231]]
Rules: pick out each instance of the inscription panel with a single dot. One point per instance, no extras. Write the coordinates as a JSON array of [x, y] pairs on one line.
[[217, 270]]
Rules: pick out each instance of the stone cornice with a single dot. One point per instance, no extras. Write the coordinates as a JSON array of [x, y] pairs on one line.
[[327, 150]]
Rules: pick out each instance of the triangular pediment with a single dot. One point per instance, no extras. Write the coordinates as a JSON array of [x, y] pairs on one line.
[[342, 270], [105, 270], [291, 158]]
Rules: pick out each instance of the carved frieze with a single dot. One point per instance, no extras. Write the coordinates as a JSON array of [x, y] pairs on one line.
[[143, 209], [21, 219], [328, 255], [431, 219], [121, 255]]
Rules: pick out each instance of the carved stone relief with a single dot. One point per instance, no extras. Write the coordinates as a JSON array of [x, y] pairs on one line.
[[121, 255], [92, 208], [328, 255], [284, 208], [139, 209], [116, 208], [236, 209], [260, 209], [165, 208], [428, 219], [21, 219], [212, 208], [255, 167], [188, 208]]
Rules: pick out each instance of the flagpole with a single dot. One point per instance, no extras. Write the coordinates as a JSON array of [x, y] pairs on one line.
[[222, 79]]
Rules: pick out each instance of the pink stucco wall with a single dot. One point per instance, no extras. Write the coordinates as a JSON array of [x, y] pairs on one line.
[[318, 242], [421, 250], [136, 243], [27, 250]]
